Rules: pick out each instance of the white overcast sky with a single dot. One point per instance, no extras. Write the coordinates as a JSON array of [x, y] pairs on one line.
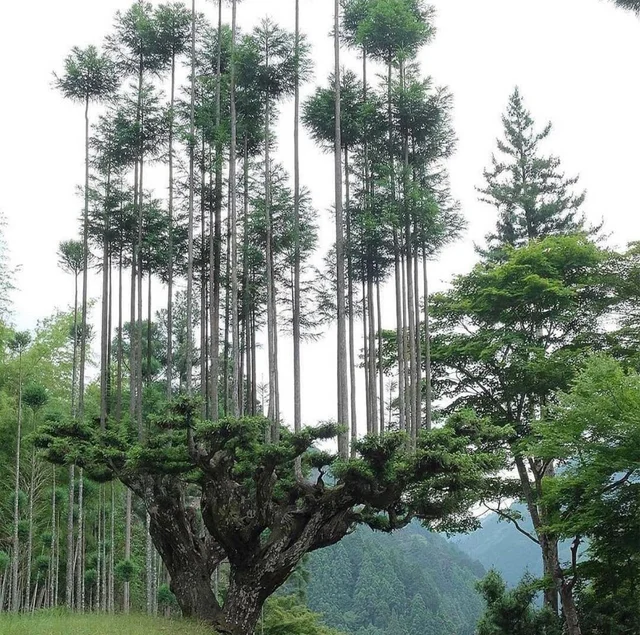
[[575, 61]]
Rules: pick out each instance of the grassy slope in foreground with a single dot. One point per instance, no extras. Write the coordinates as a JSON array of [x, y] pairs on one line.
[[66, 624]]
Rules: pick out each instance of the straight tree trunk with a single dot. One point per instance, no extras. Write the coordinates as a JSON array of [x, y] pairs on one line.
[[297, 401], [112, 546], [103, 548], [30, 520], [411, 318], [70, 540], [342, 381], [215, 247], [15, 561], [85, 265], [350, 308], [79, 569], [246, 300], [380, 373], [149, 567], [140, 256], [170, 234], [373, 390], [274, 405], [127, 550], [3, 589], [427, 343], [54, 539], [119, 352], [204, 343], [104, 335], [233, 186], [399, 338], [189, 343], [418, 344]]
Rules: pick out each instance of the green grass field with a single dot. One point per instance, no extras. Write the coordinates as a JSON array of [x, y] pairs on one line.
[[61, 624]]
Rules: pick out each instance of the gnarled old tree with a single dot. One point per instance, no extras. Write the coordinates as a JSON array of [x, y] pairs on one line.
[[256, 512]]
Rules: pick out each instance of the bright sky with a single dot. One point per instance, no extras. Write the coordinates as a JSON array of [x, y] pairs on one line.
[[575, 61]]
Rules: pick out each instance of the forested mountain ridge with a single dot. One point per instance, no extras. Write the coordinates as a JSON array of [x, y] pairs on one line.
[[410, 583]]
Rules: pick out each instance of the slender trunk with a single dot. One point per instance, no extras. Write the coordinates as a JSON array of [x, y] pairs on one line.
[[99, 561], [215, 246], [254, 363], [140, 256], [365, 345], [79, 574], [274, 409], [380, 373], [112, 545], [109, 355], [85, 266], [411, 318], [170, 235], [15, 596], [104, 335], [427, 344], [273, 413], [70, 541], [227, 300], [246, 299], [399, 336], [416, 308], [148, 376], [342, 381], [30, 520], [119, 352], [54, 538], [139, 320], [352, 300], [3, 589], [235, 332], [373, 390], [367, 367], [189, 342], [56, 589], [408, 403], [127, 551], [103, 548], [297, 404], [204, 348], [149, 567]]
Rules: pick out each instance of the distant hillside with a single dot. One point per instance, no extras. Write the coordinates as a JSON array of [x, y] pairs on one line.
[[412, 582], [500, 546]]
